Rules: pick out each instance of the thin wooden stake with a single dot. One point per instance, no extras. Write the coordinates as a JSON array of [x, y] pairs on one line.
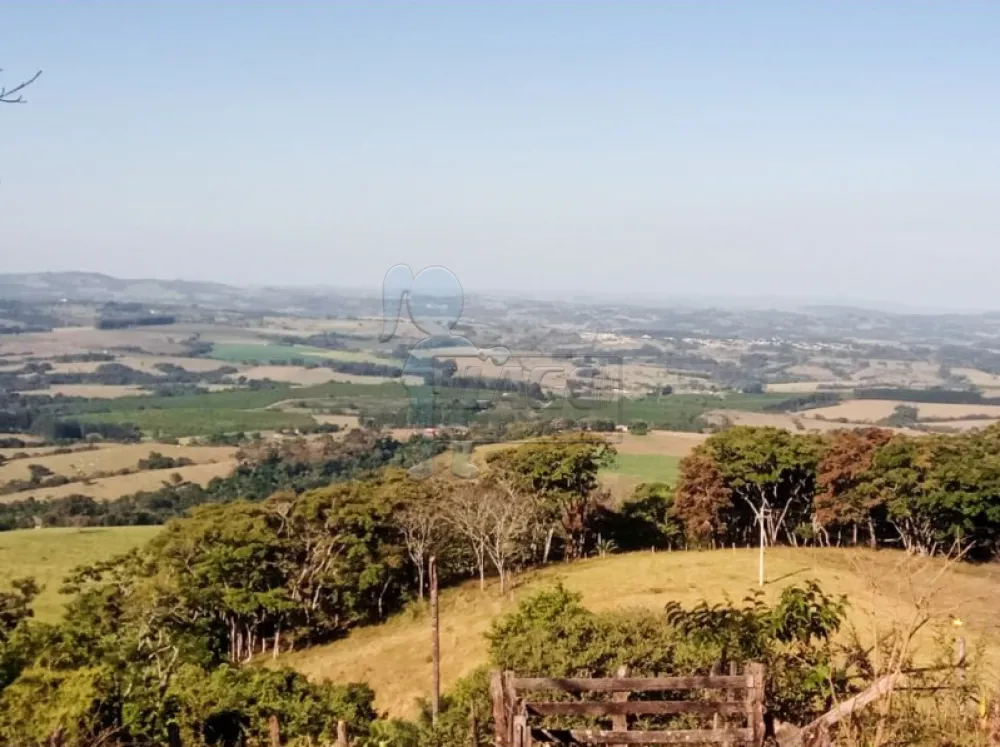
[[435, 643], [960, 655], [755, 704], [274, 730]]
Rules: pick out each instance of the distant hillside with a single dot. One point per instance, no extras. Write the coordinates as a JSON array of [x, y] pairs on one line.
[[52, 287]]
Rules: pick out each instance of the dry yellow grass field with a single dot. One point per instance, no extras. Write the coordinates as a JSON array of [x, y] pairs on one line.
[[344, 421], [979, 378], [77, 367], [363, 326], [72, 340], [37, 450], [148, 363], [109, 488], [302, 376], [916, 374], [94, 391], [879, 585], [963, 425], [800, 387], [669, 443], [870, 410], [110, 458], [813, 371], [145, 363], [775, 420]]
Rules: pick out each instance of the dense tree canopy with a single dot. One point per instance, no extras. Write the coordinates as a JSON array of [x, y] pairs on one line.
[[924, 493]]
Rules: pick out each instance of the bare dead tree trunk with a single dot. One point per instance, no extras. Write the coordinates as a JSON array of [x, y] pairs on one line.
[[435, 643]]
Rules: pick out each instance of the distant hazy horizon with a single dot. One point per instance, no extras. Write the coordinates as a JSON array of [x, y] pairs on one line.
[[834, 153], [651, 300]]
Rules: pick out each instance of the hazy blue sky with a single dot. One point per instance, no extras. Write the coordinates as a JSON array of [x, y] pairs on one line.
[[836, 150]]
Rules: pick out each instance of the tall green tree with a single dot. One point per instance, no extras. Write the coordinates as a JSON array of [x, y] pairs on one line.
[[562, 473]]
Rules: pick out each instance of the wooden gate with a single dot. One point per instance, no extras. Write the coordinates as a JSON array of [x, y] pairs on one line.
[[742, 701]]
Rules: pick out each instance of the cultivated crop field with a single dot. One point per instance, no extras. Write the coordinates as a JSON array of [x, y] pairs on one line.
[[110, 458], [89, 391], [302, 376], [273, 353], [109, 488], [666, 443], [49, 554], [872, 410]]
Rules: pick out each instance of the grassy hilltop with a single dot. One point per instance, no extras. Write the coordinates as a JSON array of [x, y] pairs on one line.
[[394, 658]]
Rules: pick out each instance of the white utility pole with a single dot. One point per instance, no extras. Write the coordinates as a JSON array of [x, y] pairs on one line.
[[760, 519]]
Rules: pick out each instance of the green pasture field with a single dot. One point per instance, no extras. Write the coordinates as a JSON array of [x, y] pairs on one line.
[[648, 467], [180, 422], [673, 412], [48, 555]]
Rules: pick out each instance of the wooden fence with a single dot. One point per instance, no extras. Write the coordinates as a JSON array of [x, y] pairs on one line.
[[742, 701]]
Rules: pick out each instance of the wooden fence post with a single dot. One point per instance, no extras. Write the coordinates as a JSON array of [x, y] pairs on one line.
[[499, 709], [714, 672], [274, 730], [510, 706], [619, 722], [755, 703]]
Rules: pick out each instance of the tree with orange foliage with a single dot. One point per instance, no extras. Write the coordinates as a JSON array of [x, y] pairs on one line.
[[701, 499], [845, 495]]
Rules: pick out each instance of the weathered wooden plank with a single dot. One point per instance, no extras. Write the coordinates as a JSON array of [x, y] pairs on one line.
[[632, 684], [619, 720], [684, 736], [793, 737], [520, 736], [510, 703], [637, 708], [499, 709], [755, 703]]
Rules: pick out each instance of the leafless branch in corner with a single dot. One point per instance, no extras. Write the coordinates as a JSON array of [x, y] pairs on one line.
[[13, 95]]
